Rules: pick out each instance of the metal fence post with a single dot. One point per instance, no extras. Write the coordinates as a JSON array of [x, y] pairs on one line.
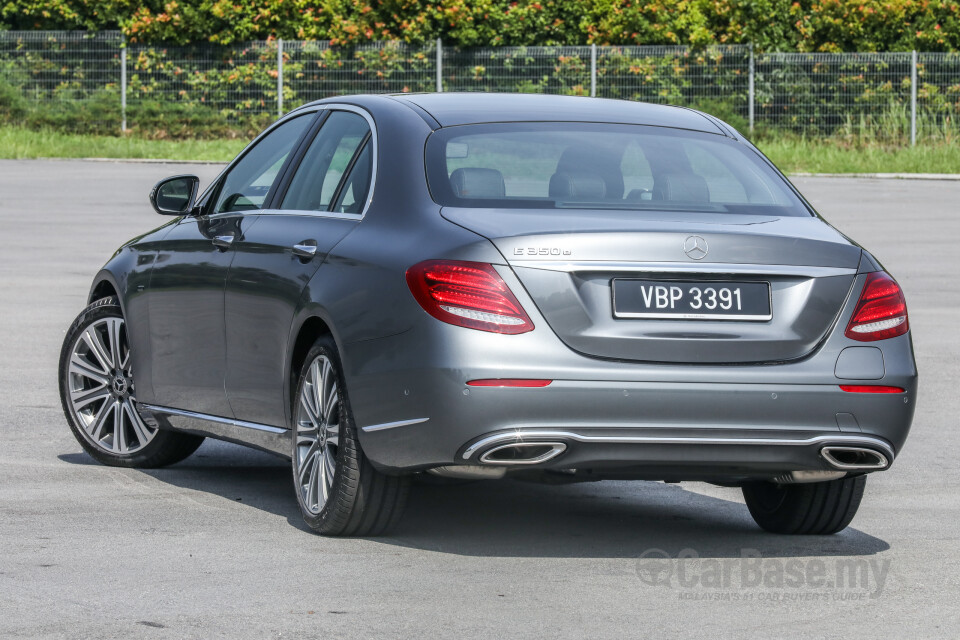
[[279, 77], [913, 100], [751, 91], [439, 66], [593, 70], [123, 87]]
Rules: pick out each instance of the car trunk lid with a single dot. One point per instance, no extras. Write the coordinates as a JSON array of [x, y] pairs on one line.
[[567, 260]]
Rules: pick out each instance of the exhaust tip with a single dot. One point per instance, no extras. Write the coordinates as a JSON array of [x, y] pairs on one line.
[[854, 458], [523, 453]]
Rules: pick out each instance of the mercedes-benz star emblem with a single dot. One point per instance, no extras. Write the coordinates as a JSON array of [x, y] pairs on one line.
[[695, 247]]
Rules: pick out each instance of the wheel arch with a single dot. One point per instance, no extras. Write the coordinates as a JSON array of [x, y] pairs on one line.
[[105, 285], [309, 324]]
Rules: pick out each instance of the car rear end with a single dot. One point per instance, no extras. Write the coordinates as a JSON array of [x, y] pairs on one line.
[[661, 304]]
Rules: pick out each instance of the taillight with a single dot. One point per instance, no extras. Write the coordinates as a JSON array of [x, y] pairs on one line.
[[881, 311], [467, 294]]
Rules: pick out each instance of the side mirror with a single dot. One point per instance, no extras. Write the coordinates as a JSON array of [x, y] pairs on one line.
[[175, 196]]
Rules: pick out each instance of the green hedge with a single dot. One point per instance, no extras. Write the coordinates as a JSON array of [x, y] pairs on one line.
[[773, 25]]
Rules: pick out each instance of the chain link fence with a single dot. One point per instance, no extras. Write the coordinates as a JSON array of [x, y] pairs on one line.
[[97, 83]]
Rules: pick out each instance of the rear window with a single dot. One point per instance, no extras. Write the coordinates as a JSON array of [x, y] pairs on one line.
[[602, 166]]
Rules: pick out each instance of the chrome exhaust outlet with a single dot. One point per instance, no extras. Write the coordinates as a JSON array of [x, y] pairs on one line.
[[523, 453], [854, 458]]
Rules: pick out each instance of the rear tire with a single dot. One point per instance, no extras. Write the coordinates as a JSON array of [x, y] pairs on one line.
[[818, 508], [338, 490], [98, 395]]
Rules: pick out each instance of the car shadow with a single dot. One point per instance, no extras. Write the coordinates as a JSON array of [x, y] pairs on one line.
[[509, 518]]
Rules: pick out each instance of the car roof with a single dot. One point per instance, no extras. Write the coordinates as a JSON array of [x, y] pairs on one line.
[[453, 109]]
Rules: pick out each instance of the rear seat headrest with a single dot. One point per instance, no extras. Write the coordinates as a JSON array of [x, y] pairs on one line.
[[474, 182], [577, 186]]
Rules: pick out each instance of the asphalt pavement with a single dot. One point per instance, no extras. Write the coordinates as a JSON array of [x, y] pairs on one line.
[[214, 546]]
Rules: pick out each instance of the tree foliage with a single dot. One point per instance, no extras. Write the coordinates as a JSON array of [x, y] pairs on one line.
[[804, 25]]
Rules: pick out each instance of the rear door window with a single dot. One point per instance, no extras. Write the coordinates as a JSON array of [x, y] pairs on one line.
[[337, 148]]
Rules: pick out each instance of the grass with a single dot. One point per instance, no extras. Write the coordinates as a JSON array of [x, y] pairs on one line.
[[791, 154], [799, 155], [18, 142]]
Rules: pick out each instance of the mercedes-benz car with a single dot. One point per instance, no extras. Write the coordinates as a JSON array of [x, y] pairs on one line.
[[477, 285]]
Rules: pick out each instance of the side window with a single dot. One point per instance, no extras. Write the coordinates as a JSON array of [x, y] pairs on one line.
[[637, 175], [337, 147], [355, 188], [246, 186], [723, 185]]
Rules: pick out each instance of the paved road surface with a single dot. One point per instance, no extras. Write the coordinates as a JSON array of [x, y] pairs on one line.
[[214, 547]]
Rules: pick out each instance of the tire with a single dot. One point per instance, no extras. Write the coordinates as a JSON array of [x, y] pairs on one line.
[[97, 392], [338, 490], [818, 508]]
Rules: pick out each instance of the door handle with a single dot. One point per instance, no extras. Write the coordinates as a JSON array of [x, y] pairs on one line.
[[223, 242], [304, 250]]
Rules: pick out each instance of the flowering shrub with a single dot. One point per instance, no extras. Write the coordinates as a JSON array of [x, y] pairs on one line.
[[772, 25]]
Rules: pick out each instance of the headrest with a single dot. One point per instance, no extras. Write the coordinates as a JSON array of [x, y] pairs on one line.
[[578, 160], [473, 182], [682, 187], [577, 186]]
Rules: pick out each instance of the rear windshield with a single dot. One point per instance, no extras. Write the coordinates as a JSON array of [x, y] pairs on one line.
[[602, 166]]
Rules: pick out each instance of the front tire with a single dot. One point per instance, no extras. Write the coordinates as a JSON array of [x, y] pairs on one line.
[[338, 490], [98, 395], [818, 508]]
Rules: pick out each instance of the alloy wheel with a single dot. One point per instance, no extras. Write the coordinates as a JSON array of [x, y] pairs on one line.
[[101, 389], [318, 434]]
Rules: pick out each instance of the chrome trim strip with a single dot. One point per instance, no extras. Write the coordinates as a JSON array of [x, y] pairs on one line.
[[685, 268], [392, 425], [203, 416], [531, 436]]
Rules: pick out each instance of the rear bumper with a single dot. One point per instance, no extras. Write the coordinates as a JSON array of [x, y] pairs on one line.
[[414, 410], [684, 456]]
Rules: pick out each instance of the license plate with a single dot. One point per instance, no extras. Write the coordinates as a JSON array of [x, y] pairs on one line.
[[689, 300]]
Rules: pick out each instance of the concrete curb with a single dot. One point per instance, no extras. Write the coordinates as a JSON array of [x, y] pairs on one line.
[[881, 176], [126, 160]]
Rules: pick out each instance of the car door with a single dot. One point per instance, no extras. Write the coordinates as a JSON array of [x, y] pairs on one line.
[[320, 200], [185, 297]]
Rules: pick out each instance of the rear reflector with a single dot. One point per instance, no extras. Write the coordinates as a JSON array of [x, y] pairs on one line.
[[467, 294], [869, 388], [509, 382], [881, 311]]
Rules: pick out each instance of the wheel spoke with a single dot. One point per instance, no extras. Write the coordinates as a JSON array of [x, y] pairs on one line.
[[311, 416], [119, 433], [113, 335], [330, 468], [83, 397], [81, 368], [312, 482], [322, 476], [306, 460], [333, 434], [97, 348], [319, 383], [141, 430], [95, 429], [332, 403]]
